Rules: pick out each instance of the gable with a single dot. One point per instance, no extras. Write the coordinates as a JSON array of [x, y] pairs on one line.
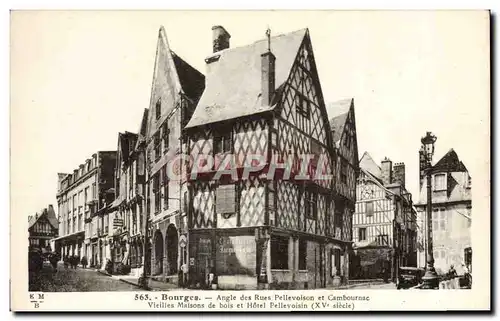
[[348, 144], [302, 102], [367, 163], [166, 85]]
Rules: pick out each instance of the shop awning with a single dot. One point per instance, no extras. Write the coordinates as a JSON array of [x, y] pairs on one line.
[[72, 236]]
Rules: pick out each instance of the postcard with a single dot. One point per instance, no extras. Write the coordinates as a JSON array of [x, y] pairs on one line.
[[250, 160]]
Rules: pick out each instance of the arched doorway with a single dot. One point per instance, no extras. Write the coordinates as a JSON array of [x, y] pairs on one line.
[[158, 268], [172, 243]]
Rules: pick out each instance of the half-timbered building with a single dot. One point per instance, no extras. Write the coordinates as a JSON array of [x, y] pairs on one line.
[[176, 88], [384, 223], [343, 127], [262, 107], [43, 227]]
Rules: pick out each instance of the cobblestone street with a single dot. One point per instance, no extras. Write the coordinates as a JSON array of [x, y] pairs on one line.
[[75, 280]]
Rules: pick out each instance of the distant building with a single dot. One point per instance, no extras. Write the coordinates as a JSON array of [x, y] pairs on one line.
[[80, 196], [385, 221], [451, 212], [42, 227]]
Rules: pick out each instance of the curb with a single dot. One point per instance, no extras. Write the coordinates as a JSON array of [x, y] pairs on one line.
[[122, 280]]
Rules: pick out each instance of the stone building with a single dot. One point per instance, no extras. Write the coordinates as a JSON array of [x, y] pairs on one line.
[[385, 221], [43, 227], [451, 212], [80, 196], [176, 89], [263, 106]]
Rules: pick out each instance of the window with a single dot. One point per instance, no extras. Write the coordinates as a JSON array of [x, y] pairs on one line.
[[369, 209], [225, 199], [469, 182], [316, 152], [158, 108], [302, 255], [279, 252], [303, 105], [335, 262], [222, 144], [311, 205], [157, 146], [439, 219], [94, 195], [440, 182], [347, 140], [165, 136], [164, 182], [362, 234], [343, 171], [156, 192], [382, 239], [185, 202]]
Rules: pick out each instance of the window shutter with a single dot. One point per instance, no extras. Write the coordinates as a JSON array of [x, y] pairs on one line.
[[226, 199]]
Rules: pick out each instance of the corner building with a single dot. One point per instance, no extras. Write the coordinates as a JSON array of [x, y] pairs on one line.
[[263, 231]]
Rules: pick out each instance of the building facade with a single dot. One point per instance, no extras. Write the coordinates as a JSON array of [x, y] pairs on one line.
[[127, 213], [270, 228], [42, 228], [80, 196], [451, 212], [385, 221], [176, 89]]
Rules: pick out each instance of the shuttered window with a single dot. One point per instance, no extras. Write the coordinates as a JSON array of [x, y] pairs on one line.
[[225, 199]]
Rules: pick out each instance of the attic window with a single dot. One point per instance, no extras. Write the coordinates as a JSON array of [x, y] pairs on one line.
[[158, 108], [440, 182], [302, 105]]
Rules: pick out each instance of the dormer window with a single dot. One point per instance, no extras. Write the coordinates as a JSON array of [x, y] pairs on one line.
[[440, 182], [158, 108]]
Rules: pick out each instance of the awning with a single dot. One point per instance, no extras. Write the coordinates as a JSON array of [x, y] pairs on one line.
[[70, 236]]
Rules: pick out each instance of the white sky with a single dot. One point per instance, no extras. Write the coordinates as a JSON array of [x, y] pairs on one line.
[[78, 78]]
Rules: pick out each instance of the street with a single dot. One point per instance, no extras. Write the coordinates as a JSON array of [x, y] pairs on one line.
[[372, 285], [75, 280]]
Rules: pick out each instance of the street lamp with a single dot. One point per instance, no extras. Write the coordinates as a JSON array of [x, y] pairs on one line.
[[430, 279]]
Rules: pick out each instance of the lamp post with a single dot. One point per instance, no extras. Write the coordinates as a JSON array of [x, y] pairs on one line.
[[430, 279]]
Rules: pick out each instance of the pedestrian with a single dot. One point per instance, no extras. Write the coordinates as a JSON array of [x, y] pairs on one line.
[[84, 262], [53, 259]]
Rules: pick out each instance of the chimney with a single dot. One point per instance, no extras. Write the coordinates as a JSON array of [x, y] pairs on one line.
[[268, 72], [399, 173], [386, 171], [220, 38]]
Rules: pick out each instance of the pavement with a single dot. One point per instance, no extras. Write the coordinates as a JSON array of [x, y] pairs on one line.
[[75, 280], [369, 285], [132, 280]]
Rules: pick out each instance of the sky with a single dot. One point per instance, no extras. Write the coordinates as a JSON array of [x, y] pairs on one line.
[[79, 78]]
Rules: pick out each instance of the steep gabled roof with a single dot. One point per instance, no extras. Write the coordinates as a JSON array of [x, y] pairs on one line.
[[126, 143], [47, 213], [367, 163], [449, 163], [192, 81], [338, 112], [233, 81], [173, 78], [143, 128]]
